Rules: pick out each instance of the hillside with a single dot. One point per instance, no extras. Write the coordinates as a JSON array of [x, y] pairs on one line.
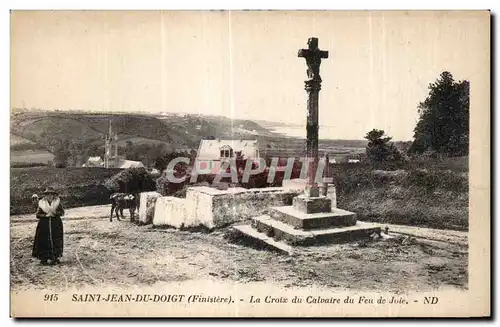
[[47, 128], [40, 131], [44, 129]]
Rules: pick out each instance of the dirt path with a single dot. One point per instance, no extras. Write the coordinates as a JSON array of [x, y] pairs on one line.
[[90, 212], [101, 253]]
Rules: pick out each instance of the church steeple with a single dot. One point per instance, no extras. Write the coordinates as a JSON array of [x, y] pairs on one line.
[[110, 154]]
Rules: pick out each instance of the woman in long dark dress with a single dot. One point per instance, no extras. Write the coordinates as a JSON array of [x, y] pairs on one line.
[[48, 244]]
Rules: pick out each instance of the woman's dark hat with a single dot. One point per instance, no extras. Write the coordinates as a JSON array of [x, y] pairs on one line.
[[50, 190]]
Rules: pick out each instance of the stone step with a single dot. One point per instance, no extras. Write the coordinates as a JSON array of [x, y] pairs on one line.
[[280, 231], [309, 221], [249, 234]]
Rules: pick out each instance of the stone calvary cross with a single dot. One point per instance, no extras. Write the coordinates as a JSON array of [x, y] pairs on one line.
[[313, 56], [312, 218]]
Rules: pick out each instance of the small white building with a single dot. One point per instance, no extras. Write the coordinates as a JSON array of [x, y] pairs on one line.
[[94, 162], [212, 153], [126, 164], [154, 171]]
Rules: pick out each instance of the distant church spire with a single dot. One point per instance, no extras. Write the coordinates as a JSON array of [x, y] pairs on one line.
[[110, 154]]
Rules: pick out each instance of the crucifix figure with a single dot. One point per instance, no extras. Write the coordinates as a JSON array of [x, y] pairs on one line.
[[313, 58]]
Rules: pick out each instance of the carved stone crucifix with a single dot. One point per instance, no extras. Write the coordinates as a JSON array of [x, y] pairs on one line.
[[313, 58]]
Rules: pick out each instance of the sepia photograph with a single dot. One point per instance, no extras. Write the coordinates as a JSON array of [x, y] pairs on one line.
[[220, 163]]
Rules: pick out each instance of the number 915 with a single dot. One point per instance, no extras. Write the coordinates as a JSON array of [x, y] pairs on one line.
[[50, 297]]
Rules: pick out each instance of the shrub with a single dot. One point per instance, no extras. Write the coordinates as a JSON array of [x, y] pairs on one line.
[[165, 187], [381, 150], [133, 180]]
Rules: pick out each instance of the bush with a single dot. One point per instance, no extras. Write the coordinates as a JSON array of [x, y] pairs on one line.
[[381, 150], [133, 180], [165, 187]]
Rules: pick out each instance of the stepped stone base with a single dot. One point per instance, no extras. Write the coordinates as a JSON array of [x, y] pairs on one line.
[[248, 234], [280, 231], [280, 237], [308, 221], [300, 220]]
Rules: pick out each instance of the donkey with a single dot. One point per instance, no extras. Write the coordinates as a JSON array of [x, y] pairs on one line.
[[122, 201]]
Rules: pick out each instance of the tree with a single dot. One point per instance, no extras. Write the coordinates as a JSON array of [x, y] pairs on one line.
[[76, 152], [443, 126], [379, 149], [161, 162], [92, 150], [61, 156]]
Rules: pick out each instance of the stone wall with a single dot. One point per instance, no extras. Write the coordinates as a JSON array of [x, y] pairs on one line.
[[212, 208], [147, 207], [227, 209], [170, 211]]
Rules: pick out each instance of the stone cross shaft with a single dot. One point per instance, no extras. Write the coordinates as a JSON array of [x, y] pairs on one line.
[[313, 56]]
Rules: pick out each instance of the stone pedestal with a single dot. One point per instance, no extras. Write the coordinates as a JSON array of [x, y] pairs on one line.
[[303, 203], [299, 185], [308, 221], [312, 191]]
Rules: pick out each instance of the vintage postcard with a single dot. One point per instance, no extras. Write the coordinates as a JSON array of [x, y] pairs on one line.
[[250, 164]]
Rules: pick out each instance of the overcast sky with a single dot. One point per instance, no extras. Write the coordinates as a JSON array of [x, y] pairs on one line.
[[244, 64]]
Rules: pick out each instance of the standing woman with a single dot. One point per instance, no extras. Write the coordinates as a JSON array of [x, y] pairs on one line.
[[48, 244]]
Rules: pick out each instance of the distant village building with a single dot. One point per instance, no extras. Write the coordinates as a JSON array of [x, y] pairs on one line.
[[121, 163], [212, 153], [94, 162], [126, 164], [111, 157], [154, 171]]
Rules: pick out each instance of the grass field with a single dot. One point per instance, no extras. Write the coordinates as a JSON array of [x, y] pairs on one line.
[[339, 150], [77, 186], [25, 152], [425, 195], [31, 157], [16, 140]]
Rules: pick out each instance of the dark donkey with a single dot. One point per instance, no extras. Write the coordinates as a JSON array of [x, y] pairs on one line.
[[122, 201]]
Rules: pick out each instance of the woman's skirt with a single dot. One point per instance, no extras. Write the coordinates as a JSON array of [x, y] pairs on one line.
[[49, 241]]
